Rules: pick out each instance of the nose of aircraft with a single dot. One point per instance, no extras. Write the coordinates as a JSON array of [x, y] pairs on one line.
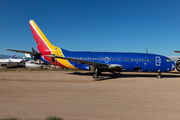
[[173, 66]]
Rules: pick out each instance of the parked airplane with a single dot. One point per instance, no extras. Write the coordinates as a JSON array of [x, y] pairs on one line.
[[31, 62], [178, 62], [98, 61], [11, 62]]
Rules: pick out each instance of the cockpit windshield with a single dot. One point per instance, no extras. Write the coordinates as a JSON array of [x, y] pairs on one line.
[[168, 60]]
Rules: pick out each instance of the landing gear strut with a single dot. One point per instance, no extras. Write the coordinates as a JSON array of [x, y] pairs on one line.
[[159, 75]]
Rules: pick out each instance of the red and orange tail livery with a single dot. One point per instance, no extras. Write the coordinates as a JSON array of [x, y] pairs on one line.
[[46, 48]]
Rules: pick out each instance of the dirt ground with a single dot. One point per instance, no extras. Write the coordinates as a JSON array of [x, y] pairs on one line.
[[74, 95]]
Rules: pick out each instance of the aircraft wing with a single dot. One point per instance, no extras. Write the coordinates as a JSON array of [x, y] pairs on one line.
[[177, 51], [97, 64], [33, 53]]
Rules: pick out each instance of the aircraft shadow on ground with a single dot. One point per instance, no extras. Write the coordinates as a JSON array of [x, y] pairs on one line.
[[106, 76], [175, 73]]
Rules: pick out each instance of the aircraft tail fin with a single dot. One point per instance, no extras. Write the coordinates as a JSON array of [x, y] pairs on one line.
[[13, 57], [33, 50], [42, 42]]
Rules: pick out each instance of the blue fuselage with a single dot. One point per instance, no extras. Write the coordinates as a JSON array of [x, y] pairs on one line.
[[129, 61]]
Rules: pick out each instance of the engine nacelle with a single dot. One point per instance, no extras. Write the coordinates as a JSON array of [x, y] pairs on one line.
[[178, 65]]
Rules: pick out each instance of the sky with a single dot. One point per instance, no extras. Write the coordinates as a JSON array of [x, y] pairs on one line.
[[93, 25]]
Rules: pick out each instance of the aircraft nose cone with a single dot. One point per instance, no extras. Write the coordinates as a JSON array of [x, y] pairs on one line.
[[173, 66]]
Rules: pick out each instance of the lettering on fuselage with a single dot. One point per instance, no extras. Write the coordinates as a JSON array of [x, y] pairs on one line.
[[106, 59], [158, 61]]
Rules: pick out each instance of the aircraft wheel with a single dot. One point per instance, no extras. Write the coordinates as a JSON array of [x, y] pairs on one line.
[[178, 65], [159, 76], [95, 75]]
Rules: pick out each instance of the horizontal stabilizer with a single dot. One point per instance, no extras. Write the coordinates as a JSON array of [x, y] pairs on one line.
[[33, 53]]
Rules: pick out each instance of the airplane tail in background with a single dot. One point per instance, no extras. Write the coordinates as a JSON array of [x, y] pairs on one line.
[[13, 57], [33, 50]]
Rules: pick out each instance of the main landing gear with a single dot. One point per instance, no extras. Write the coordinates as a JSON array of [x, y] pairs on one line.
[[96, 73]]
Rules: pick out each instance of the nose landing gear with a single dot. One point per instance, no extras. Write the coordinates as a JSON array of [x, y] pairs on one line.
[[159, 75]]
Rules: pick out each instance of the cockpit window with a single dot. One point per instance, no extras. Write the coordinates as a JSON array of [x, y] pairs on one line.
[[168, 60]]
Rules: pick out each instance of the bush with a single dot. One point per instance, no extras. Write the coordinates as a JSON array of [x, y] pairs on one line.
[[53, 118], [10, 119]]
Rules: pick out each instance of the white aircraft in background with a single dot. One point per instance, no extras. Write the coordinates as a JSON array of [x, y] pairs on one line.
[[11, 62], [14, 62], [31, 63], [12, 59]]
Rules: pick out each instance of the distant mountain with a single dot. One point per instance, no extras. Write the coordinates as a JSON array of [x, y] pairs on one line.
[[8, 56]]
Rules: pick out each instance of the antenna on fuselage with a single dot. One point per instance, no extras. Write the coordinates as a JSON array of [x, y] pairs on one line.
[[146, 51]]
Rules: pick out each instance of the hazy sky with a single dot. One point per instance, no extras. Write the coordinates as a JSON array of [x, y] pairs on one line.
[[93, 25]]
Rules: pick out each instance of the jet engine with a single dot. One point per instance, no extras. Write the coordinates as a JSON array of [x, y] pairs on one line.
[[178, 65]]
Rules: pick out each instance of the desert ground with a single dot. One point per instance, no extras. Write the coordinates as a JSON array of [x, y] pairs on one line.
[[75, 95]]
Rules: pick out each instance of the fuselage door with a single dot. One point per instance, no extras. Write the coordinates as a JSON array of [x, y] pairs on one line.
[[157, 61]]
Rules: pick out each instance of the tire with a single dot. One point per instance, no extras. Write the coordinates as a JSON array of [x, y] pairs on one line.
[[178, 65], [95, 75]]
